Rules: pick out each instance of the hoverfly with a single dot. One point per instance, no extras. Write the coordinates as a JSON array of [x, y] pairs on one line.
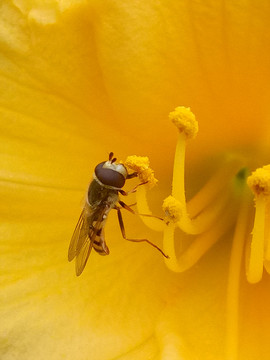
[[102, 196]]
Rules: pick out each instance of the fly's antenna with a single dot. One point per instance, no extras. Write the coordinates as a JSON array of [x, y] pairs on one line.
[[110, 156]]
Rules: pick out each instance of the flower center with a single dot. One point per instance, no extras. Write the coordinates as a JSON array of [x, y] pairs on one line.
[[213, 211], [222, 204]]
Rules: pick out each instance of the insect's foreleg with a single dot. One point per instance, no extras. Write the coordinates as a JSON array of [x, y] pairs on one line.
[[127, 207], [130, 176], [121, 223], [125, 193], [133, 204]]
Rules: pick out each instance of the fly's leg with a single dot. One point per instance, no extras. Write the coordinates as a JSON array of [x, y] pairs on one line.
[[125, 193], [133, 204], [128, 208], [121, 223], [130, 176]]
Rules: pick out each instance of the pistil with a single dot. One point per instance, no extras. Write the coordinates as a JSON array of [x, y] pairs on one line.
[[239, 238]]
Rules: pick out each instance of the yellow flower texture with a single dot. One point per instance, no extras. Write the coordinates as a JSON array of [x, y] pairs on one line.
[[79, 79]]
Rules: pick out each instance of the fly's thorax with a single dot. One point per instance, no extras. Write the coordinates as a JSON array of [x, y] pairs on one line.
[[100, 195]]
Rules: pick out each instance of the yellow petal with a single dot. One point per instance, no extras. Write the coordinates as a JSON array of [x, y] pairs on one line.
[[79, 79], [204, 55]]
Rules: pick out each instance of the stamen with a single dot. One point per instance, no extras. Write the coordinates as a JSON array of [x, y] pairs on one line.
[[176, 213], [140, 164], [187, 125], [267, 231], [215, 185], [143, 208], [207, 217], [184, 119], [199, 246], [259, 182], [255, 255], [173, 209], [169, 248], [178, 182], [267, 238], [267, 266], [234, 281], [201, 216]]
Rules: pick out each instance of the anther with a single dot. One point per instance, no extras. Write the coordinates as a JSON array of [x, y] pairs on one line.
[[140, 164], [259, 183], [184, 119], [173, 209], [141, 167]]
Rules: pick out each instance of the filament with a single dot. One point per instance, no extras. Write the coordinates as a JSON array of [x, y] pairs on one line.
[[267, 231], [215, 185], [200, 245], [143, 208], [234, 281], [178, 183], [255, 255], [206, 218]]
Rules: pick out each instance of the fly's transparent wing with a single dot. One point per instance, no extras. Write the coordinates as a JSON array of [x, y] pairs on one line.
[[87, 230], [83, 255], [79, 236]]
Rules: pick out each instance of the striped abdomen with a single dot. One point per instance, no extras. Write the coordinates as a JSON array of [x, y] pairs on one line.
[[99, 243], [100, 201]]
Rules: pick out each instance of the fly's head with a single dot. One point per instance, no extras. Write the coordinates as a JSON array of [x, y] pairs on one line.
[[111, 174]]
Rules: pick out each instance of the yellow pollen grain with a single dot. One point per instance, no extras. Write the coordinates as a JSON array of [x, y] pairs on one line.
[[184, 119], [140, 164], [173, 209], [259, 181]]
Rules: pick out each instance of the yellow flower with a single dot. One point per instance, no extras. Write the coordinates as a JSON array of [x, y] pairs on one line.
[[79, 79]]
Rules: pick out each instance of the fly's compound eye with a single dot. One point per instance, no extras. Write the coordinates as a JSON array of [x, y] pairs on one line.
[[111, 174]]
